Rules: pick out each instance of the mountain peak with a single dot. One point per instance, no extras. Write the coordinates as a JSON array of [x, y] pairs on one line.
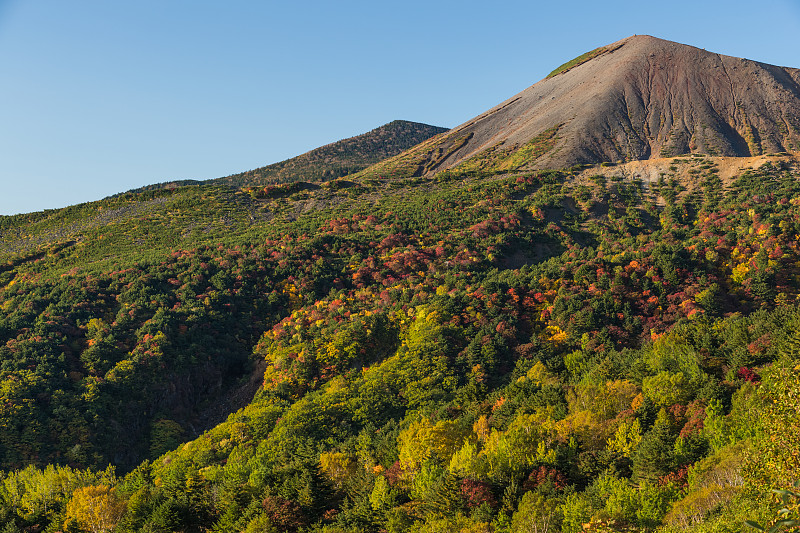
[[638, 98]]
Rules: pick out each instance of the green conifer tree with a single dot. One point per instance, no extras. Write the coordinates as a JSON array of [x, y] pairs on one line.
[[655, 456]]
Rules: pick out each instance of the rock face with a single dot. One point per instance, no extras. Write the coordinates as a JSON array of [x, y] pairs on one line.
[[638, 98]]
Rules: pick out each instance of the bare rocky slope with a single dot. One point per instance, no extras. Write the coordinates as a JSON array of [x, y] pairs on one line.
[[639, 98]]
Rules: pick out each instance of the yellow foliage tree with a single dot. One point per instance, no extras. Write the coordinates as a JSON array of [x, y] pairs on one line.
[[604, 401], [95, 508], [536, 514], [666, 388], [337, 466], [586, 426], [464, 461], [524, 443], [540, 375], [423, 440], [627, 438], [481, 428], [620, 395]]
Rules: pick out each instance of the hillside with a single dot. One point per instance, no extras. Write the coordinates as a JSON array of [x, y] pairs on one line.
[[638, 98], [597, 348]]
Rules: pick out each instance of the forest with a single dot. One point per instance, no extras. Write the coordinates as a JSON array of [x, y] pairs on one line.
[[480, 350]]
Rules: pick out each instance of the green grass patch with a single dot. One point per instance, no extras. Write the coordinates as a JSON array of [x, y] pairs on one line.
[[500, 159], [581, 59]]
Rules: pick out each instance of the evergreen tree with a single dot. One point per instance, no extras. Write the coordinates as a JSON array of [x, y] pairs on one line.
[[655, 456], [445, 499]]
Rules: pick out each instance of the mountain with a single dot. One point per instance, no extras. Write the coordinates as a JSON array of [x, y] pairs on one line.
[[331, 161], [638, 98], [611, 348], [339, 159]]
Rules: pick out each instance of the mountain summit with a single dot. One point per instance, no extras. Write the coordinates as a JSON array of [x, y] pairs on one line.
[[638, 98]]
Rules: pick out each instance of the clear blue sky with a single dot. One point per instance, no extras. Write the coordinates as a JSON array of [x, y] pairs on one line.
[[102, 96]]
